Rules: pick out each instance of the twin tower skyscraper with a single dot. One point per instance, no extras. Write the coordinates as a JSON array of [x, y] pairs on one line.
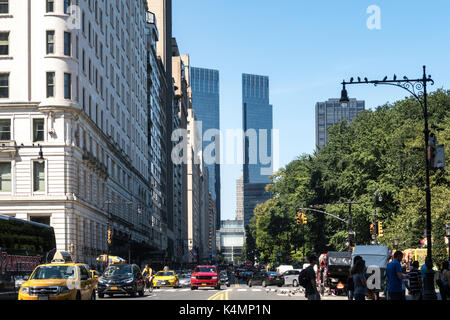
[[257, 125]]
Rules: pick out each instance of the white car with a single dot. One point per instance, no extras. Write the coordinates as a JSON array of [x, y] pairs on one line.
[[185, 280], [291, 277]]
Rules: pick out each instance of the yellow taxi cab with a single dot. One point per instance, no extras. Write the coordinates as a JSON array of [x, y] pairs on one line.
[[166, 279], [62, 279], [95, 275]]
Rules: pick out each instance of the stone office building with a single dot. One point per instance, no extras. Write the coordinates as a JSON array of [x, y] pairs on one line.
[[79, 95]]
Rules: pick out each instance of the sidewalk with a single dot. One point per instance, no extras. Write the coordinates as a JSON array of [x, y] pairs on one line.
[[408, 297]]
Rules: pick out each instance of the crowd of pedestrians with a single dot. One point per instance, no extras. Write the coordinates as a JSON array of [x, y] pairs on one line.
[[399, 279]]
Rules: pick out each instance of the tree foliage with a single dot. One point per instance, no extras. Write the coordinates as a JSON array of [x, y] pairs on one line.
[[382, 149]]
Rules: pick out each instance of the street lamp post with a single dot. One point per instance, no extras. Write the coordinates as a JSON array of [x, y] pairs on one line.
[[418, 88], [396, 241], [377, 196]]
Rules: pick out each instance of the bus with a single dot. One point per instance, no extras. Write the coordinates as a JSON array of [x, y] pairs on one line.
[[23, 246]]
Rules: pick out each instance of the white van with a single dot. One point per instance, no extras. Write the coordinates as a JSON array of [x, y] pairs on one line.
[[283, 268]]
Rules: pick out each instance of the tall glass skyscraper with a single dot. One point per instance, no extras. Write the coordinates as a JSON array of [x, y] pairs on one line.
[[257, 125], [205, 102]]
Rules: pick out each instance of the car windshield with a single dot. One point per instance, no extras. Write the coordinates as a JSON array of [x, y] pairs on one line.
[[118, 270], [206, 269], [54, 272], [164, 274]]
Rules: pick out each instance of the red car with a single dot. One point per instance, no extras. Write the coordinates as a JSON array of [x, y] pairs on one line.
[[205, 276]]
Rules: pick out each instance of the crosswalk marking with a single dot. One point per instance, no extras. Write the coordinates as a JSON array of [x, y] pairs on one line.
[[256, 289]]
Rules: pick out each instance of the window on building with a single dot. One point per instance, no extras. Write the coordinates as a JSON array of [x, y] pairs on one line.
[[67, 4], [50, 5], [5, 129], [50, 84], [4, 6], [67, 86], [83, 61], [38, 176], [50, 41], [43, 220], [83, 22], [38, 130], [5, 176], [67, 43], [4, 43]]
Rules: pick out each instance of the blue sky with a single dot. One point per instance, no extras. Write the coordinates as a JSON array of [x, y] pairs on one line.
[[307, 48]]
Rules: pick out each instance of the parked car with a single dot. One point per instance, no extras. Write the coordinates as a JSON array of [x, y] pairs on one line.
[[224, 279], [266, 278], [290, 277], [185, 280], [166, 279], [205, 276], [121, 279]]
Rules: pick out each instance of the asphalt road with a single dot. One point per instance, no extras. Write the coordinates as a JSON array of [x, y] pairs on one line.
[[237, 291]]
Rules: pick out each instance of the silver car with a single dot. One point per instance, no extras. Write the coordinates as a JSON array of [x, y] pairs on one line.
[[185, 280], [291, 277]]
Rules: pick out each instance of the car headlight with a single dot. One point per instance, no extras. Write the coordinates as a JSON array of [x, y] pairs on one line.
[[193, 277], [101, 280], [63, 289], [129, 280], [25, 290]]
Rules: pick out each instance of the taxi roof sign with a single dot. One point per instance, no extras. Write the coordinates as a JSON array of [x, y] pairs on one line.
[[62, 257]]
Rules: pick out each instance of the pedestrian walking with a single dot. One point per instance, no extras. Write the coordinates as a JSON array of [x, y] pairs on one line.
[[415, 282], [443, 281], [405, 283], [350, 284], [395, 276], [311, 290], [359, 280]]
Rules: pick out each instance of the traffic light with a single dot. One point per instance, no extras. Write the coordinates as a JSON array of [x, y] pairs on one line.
[[304, 219], [299, 217], [380, 229], [109, 236]]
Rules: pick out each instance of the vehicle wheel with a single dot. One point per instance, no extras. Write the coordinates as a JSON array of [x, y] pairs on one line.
[[295, 283], [217, 287], [133, 294], [193, 288], [264, 284], [101, 295], [93, 296], [280, 285], [141, 293]]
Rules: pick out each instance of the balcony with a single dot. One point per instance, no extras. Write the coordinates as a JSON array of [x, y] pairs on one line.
[[8, 147]]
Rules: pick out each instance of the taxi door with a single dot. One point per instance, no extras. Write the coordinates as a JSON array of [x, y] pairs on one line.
[[86, 283]]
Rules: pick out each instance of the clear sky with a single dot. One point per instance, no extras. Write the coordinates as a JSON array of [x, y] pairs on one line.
[[307, 48]]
